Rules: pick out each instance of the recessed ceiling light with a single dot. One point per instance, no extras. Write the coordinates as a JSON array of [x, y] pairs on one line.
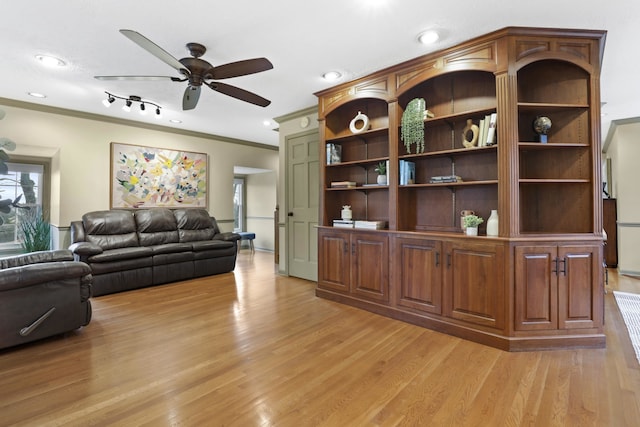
[[37, 95], [51, 61], [175, 121], [267, 122], [428, 37], [331, 76]]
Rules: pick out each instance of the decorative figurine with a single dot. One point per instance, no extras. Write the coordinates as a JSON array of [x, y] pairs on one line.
[[542, 125]]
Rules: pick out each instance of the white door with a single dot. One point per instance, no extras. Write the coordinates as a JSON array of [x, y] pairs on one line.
[[302, 205]]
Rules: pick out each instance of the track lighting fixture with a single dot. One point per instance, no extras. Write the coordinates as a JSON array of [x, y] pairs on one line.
[[128, 102], [107, 102]]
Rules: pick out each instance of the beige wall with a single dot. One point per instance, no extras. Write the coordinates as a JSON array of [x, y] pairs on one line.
[[261, 203], [622, 146], [80, 151]]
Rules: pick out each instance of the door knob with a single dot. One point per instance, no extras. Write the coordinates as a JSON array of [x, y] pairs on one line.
[[290, 214]]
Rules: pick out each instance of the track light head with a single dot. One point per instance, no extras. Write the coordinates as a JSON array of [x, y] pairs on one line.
[[127, 106], [107, 102]]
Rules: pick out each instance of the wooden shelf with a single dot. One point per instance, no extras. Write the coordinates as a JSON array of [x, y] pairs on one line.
[[501, 291]]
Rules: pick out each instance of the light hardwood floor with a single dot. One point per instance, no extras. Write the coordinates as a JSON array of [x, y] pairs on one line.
[[252, 348]]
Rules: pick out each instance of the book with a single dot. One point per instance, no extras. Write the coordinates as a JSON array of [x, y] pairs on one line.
[[343, 184], [407, 172], [371, 225], [481, 127], [491, 130], [444, 179], [343, 223]]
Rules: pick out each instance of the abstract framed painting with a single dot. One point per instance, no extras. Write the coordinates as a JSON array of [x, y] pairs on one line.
[[148, 177]]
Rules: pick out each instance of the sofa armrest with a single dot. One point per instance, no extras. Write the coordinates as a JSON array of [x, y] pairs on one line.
[[85, 249], [20, 277], [35, 258], [228, 237]]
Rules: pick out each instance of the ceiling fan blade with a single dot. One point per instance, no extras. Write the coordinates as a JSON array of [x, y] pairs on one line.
[[241, 68], [139, 78], [241, 94], [190, 98], [155, 50]]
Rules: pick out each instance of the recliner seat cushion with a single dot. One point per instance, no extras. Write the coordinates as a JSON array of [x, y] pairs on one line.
[[121, 254]]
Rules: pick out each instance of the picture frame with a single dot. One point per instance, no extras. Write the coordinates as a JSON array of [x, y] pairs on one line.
[[148, 177]]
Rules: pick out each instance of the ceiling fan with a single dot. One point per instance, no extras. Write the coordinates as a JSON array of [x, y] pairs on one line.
[[198, 72]]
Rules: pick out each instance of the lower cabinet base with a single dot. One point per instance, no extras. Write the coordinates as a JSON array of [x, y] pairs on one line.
[[531, 342]]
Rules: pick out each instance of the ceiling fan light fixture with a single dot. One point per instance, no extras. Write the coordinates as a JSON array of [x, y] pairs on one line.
[[331, 76]]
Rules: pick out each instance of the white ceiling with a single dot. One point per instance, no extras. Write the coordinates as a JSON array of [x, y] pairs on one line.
[[302, 39]]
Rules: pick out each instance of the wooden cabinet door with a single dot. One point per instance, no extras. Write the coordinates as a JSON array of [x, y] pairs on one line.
[[419, 274], [370, 266], [536, 290], [334, 259], [474, 283], [579, 287]]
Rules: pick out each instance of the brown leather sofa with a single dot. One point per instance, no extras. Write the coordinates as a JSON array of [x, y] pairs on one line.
[[129, 249], [42, 294]]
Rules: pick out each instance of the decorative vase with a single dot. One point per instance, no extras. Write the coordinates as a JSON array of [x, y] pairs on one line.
[[471, 231], [382, 179], [492, 224], [346, 213]]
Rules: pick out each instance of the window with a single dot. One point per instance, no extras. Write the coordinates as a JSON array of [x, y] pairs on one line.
[[25, 179], [238, 204]]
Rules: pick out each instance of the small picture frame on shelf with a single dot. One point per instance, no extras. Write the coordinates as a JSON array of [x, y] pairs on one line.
[[334, 154]]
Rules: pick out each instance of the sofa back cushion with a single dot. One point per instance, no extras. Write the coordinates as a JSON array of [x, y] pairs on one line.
[[156, 226], [194, 225], [110, 229]]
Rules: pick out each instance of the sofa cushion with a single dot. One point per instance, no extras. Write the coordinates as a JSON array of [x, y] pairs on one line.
[[194, 225], [207, 245], [121, 254], [156, 226], [110, 229], [171, 248]]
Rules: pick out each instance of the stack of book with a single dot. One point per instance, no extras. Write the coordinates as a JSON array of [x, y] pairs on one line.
[[487, 130], [343, 184], [444, 178], [343, 223], [407, 172], [371, 225]]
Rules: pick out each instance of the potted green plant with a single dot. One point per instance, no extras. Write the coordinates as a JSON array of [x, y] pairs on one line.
[[471, 223], [35, 230], [412, 125], [381, 170]]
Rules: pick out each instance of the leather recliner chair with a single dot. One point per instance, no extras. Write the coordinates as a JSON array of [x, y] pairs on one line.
[[42, 294]]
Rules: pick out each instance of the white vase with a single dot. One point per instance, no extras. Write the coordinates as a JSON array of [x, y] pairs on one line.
[[492, 224], [382, 179], [471, 231], [346, 213]]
